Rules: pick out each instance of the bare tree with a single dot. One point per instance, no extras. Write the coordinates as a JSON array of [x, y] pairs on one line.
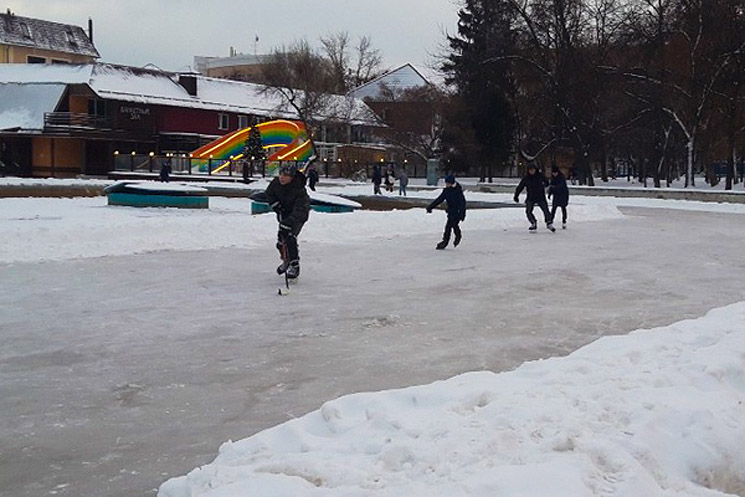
[[351, 66], [302, 78]]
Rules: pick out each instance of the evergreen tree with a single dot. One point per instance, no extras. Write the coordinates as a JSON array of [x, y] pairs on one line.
[[253, 150], [479, 70]]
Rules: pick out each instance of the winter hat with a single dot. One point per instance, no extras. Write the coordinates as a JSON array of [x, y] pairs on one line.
[[532, 165], [450, 179], [288, 168]]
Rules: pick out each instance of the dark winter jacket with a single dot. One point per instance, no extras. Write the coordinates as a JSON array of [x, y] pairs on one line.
[[291, 202], [377, 176], [455, 199], [558, 188], [535, 184]]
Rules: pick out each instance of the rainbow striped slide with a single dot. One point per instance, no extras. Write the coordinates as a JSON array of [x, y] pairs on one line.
[[283, 140]]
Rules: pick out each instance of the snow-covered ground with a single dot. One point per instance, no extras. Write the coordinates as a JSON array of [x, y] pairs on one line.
[[657, 412], [138, 339]]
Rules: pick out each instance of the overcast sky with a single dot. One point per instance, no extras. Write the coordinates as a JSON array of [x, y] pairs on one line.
[[169, 33]]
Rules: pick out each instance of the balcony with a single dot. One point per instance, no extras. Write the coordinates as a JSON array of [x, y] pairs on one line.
[[69, 121]]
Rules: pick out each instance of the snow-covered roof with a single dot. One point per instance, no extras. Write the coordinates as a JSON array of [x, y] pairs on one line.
[[45, 35], [402, 78], [22, 106], [146, 86]]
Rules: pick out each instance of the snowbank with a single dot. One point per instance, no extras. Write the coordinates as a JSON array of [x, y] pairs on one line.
[[655, 413]]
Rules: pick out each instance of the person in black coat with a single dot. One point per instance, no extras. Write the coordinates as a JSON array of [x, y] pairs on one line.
[[377, 179], [312, 178], [557, 187], [165, 171], [287, 196], [535, 184], [456, 209]]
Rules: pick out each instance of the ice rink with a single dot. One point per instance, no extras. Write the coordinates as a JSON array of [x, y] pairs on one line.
[[122, 370]]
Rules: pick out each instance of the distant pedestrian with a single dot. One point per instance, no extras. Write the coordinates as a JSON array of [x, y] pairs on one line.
[[245, 169], [535, 184], [389, 179], [312, 177], [403, 182], [377, 179], [165, 171], [456, 209], [557, 187]]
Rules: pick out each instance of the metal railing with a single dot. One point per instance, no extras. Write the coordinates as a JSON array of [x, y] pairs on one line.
[[72, 120]]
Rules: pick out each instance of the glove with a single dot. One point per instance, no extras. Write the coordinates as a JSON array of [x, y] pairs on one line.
[[516, 199]]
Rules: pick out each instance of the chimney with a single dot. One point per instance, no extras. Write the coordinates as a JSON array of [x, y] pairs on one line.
[[189, 82], [90, 29]]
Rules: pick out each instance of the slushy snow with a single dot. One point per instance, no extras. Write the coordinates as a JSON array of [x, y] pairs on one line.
[[655, 413]]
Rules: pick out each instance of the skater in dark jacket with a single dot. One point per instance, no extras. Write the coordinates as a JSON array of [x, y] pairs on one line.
[[287, 196], [535, 184], [557, 188], [377, 179], [456, 209]]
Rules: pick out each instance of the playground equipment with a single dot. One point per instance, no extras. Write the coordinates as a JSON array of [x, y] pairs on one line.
[[284, 140]]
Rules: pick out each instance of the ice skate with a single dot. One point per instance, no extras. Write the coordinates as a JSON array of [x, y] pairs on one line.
[[551, 227], [533, 227], [283, 267], [441, 245], [293, 270], [456, 241], [564, 225]]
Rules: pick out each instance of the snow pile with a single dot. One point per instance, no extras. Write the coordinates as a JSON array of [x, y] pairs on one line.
[[655, 413], [59, 229]]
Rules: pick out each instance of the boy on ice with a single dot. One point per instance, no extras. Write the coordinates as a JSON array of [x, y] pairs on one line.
[[456, 209], [558, 188], [535, 184], [287, 196]]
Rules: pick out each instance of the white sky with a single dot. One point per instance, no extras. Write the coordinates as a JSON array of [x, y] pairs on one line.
[[168, 33]]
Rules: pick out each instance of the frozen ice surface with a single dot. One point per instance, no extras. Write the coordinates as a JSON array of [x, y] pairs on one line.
[[137, 341]]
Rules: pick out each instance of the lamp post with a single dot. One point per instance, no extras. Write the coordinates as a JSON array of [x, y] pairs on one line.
[[150, 160], [132, 161]]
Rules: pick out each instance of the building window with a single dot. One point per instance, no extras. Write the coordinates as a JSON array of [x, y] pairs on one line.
[[31, 59], [224, 121], [96, 107], [242, 122], [71, 38], [60, 61], [25, 31]]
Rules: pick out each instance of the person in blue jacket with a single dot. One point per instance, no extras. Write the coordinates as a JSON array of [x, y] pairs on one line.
[[535, 184], [456, 209]]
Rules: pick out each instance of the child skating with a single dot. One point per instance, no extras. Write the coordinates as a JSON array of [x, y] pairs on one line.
[[557, 187], [287, 196], [535, 184], [456, 210]]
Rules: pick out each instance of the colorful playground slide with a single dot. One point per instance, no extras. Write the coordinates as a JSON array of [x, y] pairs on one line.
[[283, 140]]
